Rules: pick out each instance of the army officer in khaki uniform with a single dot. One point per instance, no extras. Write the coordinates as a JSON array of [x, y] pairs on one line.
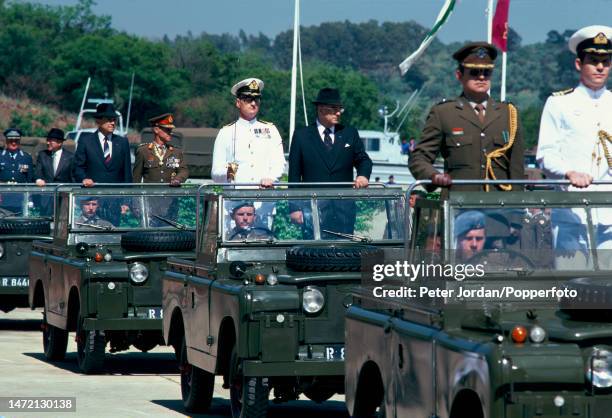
[[478, 137], [157, 161]]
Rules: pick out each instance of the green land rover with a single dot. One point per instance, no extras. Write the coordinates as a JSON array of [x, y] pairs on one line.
[[26, 214], [100, 276], [263, 304], [527, 334]]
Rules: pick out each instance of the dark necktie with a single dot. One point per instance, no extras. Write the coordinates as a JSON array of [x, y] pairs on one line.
[[480, 109], [327, 141], [107, 153]]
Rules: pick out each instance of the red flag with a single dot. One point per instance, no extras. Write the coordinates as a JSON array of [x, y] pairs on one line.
[[500, 25]]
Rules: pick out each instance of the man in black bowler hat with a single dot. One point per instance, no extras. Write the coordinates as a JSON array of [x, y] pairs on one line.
[[102, 156], [327, 152], [54, 165]]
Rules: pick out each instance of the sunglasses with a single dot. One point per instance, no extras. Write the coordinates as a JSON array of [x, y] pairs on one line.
[[477, 72], [333, 109]]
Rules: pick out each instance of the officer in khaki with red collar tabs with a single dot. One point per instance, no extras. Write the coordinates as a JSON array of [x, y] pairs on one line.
[[478, 137], [158, 161]]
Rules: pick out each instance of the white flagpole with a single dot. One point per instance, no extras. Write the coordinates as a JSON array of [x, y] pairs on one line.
[[296, 28], [490, 21], [502, 94]]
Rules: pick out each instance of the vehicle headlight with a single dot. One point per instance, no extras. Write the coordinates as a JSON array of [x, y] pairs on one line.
[[1, 250], [139, 272], [599, 368], [312, 300]]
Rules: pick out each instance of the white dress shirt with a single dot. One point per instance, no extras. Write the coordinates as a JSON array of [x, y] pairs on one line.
[[256, 146], [55, 157]]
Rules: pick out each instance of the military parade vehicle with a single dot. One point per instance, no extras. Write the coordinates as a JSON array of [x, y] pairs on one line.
[[100, 276], [25, 215], [263, 304], [528, 335]]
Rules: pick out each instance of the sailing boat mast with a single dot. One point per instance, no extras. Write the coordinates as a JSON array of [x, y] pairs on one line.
[[296, 34]]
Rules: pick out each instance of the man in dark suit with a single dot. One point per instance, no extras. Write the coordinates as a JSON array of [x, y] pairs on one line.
[[327, 152], [54, 165], [102, 156]]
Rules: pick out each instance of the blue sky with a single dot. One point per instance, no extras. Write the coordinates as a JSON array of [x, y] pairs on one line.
[[532, 19]]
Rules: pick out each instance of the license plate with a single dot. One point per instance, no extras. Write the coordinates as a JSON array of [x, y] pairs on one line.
[[334, 352], [155, 313], [14, 281]]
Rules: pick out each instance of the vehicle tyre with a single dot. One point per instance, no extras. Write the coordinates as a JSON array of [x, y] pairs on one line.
[[158, 240], [55, 341], [197, 385], [90, 350], [319, 395], [331, 258], [25, 227], [248, 395]]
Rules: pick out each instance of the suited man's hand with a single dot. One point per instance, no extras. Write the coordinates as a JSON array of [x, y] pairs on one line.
[[175, 183], [441, 180], [40, 183], [297, 217], [361, 182], [266, 183], [88, 183]]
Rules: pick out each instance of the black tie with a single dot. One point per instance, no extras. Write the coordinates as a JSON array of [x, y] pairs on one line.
[[327, 141]]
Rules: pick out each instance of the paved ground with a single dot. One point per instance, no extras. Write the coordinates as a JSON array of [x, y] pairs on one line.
[[136, 385]]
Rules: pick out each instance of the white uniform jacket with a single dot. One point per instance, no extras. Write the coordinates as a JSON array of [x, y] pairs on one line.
[[569, 129], [256, 146]]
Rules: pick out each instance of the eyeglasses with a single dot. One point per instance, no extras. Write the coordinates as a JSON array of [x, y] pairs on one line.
[[333, 109], [249, 99], [477, 72], [166, 130]]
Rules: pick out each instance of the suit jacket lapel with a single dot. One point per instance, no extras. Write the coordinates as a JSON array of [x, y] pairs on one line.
[[492, 112], [320, 147], [338, 144], [61, 164], [468, 112], [98, 147]]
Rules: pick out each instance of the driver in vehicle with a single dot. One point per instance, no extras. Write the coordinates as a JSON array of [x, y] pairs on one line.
[[244, 216], [89, 213], [470, 234]]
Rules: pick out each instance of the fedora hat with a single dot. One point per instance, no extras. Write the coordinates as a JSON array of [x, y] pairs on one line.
[[328, 96], [105, 110], [55, 133]]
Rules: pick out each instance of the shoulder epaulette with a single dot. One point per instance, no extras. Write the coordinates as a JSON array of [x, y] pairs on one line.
[[444, 101], [144, 144], [266, 122], [562, 92], [230, 124]]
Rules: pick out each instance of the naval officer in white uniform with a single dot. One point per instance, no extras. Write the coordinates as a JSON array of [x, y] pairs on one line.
[[248, 150], [571, 145]]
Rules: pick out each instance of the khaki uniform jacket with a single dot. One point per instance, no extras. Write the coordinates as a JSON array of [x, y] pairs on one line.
[[454, 130], [148, 168]]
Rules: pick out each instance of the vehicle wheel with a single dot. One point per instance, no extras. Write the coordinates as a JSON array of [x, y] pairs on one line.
[[158, 240], [248, 395], [90, 350], [319, 395], [55, 341], [25, 227], [197, 385], [331, 258]]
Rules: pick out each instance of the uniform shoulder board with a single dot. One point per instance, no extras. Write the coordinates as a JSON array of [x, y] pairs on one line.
[[143, 144], [443, 101], [230, 124], [563, 92], [266, 122]]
